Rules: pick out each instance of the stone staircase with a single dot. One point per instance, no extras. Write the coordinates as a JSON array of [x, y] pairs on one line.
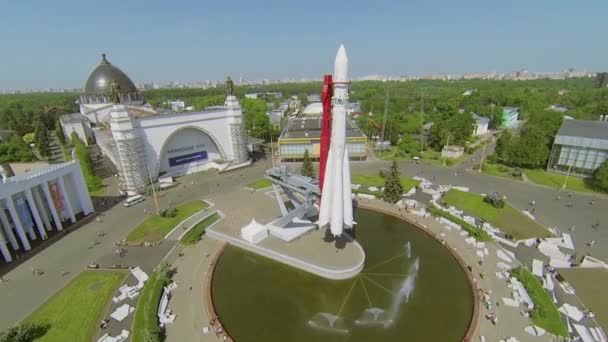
[[55, 148], [103, 166]]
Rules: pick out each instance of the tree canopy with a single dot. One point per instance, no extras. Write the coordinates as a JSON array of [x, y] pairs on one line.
[[392, 185]]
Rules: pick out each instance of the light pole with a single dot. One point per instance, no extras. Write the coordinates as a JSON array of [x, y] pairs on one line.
[[153, 189]]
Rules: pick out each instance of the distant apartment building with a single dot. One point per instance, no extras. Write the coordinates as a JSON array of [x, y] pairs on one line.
[[176, 105], [580, 146], [510, 117], [265, 95]]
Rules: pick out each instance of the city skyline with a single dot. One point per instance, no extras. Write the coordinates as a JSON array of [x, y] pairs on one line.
[[57, 46]]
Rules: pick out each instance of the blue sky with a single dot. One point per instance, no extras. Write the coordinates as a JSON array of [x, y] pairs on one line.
[[57, 43]]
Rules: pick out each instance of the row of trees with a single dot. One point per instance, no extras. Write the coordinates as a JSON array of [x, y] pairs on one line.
[[86, 163]]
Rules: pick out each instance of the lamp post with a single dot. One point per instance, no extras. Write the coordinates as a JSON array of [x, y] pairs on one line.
[[153, 189]]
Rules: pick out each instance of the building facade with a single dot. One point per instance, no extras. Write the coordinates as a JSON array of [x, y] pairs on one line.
[[580, 147], [34, 204], [144, 143], [510, 117], [481, 124], [301, 134]]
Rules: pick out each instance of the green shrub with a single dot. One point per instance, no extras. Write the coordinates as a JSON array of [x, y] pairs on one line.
[[169, 212], [27, 332]]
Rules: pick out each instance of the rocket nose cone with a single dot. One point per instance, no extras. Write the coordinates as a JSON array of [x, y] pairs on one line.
[[341, 65], [341, 55]]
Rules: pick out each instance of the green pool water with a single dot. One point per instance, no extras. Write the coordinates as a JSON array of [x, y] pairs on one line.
[[258, 299]]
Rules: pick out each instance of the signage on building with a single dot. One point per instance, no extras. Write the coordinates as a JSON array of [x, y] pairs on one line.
[[186, 148], [187, 158]]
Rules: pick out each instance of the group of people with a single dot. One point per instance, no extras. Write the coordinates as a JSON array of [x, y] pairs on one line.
[[219, 331]]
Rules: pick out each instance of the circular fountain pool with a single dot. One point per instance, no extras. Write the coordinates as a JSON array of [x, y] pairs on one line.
[[411, 289]]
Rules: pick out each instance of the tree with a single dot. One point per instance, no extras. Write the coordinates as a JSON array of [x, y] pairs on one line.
[[530, 149], [29, 138], [409, 145], [86, 163], [502, 146], [15, 150], [26, 332], [308, 169], [600, 177], [392, 185], [59, 133], [42, 142]]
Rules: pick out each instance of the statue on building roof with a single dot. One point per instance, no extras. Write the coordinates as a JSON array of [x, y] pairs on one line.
[[114, 92], [229, 87]]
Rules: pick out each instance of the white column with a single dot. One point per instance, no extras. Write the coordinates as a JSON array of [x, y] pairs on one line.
[[82, 191], [66, 198], [43, 212], [8, 230], [51, 204], [3, 250], [37, 219], [10, 205]]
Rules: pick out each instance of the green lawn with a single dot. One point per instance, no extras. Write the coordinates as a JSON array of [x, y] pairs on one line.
[[154, 228], [478, 234], [508, 219], [147, 306], [431, 157], [556, 180], [194, 235], [427, 157], [378, 182], [74, 312], [498, 170], [545, 313], [260, 184]]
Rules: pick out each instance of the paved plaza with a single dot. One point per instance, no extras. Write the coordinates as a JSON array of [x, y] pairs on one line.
[[23, 292]]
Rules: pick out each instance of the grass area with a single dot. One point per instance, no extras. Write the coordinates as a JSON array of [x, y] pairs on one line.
[[508, 219], [478, 234], [429, 157], [545, 313], [98, 192], [147, 306], [557, 180], [155, 227], [590, 284], [378, 181], [498, 170], [194, 235], [74, 312], [378, 194], [260, 184]]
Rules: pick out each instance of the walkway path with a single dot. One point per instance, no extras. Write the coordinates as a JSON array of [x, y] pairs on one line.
[[188, 299]]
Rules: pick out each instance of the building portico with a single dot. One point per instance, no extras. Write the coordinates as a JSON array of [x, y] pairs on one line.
[[38, 202]]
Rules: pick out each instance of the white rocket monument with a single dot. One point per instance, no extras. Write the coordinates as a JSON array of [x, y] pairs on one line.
[[336, 200]]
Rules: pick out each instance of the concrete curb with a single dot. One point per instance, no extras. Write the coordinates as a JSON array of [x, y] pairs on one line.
[[333, 274]]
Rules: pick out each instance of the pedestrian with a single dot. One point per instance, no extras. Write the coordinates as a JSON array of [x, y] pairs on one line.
[[190, 288]]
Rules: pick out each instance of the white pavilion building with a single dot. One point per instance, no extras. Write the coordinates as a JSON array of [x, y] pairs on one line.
[[37, 202]]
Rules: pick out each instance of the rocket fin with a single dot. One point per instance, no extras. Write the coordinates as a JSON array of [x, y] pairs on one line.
[[326, 198], [347, 191]]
